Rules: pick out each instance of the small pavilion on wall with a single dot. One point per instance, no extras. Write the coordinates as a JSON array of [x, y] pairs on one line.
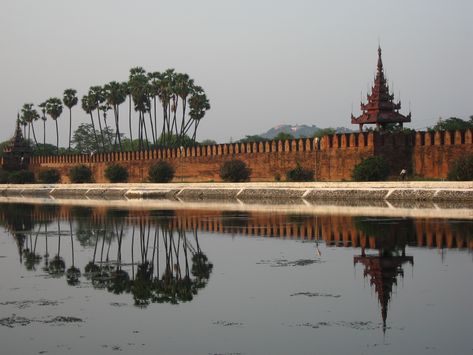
[[380, 109], [17, 153]]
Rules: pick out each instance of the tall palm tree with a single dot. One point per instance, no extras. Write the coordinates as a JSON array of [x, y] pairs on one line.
[[139, 90], [96, 99], [89, 106], [154, 90], [115, 95], [29, 115], [70, 100], [54, 109], [42, 106], [198, 104]]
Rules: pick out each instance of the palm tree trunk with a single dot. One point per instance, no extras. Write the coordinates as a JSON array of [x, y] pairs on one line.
[[34, 134], [107, 132], [129, 122], [117, 124], [101, 131], [155, 119], [44, 136], [144, 126], [93, 128], [152, 127], [57, 137], [70, 128]]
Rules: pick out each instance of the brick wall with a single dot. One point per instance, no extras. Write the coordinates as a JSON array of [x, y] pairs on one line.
[[333, 157]]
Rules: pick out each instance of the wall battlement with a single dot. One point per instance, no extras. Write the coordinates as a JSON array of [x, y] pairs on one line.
[[332, 157]]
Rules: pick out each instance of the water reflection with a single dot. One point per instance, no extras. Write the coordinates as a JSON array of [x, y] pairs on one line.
[[169, 265], [156, 257]]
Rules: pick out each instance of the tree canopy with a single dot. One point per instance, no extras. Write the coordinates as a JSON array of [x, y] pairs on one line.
[[452, 123]]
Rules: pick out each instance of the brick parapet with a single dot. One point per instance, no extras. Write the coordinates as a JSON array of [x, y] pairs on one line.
[[332, 157]]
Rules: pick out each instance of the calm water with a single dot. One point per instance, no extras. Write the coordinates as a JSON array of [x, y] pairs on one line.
[[78, 280]]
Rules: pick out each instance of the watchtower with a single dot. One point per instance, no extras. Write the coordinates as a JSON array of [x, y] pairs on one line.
[[16, 155], [380, 109]]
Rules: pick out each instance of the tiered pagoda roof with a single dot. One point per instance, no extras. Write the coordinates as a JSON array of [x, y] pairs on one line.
[[16, 154], [380, 108], [383, 270]]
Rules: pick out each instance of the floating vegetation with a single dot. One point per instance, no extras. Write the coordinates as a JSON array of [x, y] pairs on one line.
[[315, 294], [285, 263]]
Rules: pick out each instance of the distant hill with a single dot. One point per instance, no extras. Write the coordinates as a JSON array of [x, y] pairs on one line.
[[298, 131]]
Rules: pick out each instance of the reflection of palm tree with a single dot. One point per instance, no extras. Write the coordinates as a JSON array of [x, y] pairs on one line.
[[57, 266], [72, 273]]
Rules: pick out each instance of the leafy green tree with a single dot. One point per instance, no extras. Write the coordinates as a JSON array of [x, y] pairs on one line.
[[253, 138], [172, 140], [453, 123], [373, 168], [162, 171], [84, 142], [461, 169], [70, 100], [300, 174], [235, 171], [324, 132], [282, 136], [54, 109], [49, 176], [116, 173], [80, 174], [208, 142]]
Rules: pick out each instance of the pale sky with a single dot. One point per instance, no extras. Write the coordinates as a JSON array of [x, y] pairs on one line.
[[261, 62]]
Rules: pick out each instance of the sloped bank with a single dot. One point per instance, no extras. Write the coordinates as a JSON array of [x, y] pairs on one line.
[[271, 192]]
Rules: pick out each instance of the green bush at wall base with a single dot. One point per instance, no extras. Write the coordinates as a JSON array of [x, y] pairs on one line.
[[116, 173], [299, 174], [235, 171], [80, 174], [161, 172], [4, 177], [461, 169], [49, 176], [21, 177], [371, 169]]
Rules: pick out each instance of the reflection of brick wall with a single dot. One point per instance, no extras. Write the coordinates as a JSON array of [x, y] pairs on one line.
[[332, 157]]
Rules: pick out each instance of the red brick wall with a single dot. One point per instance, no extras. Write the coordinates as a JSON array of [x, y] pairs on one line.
[[332, 157], [434, 152]]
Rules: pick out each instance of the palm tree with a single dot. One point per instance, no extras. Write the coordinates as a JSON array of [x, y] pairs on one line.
[[89, 106], [198, 104], [139, 90], [28, 116], [70, 100], [54, 109], [43, 117], [115, 95], [96, 99]]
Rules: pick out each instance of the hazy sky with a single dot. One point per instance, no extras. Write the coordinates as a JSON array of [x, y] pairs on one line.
[[261, 62]]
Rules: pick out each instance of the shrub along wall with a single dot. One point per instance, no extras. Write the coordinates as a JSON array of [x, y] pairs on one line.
[[332, 157]]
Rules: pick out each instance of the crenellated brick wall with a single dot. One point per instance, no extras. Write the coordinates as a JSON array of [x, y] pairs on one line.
[[333, 157], [435, 151]]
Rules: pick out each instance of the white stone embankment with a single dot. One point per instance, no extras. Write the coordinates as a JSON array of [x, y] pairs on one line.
[[430, 191]]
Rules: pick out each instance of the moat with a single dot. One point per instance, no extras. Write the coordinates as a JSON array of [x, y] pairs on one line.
[[105, 279]]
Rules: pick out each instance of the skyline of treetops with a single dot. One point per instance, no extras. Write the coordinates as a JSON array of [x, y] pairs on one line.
[[164, 109]]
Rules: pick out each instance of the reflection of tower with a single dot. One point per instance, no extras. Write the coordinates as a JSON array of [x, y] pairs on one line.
[[383, 270]]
